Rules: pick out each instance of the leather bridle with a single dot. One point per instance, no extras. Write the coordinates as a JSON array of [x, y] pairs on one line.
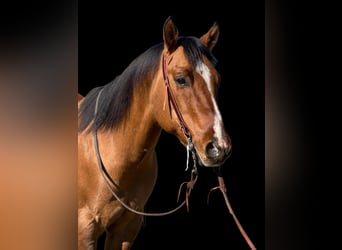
[[171, 98]]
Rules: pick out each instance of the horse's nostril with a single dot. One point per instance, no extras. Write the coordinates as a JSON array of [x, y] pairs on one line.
[[212, 149]]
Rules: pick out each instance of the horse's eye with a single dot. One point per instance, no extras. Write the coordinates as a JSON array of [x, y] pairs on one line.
[[181, 81]]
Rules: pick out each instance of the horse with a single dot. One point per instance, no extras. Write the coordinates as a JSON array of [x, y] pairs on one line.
[[172, 86]]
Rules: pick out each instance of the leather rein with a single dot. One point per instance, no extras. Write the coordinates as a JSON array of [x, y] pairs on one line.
[[190, 147]]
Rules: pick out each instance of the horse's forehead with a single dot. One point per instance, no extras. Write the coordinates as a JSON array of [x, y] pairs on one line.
[[203, 66], [179, 57]]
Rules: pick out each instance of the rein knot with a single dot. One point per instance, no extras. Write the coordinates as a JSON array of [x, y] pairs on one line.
[[189, 186]]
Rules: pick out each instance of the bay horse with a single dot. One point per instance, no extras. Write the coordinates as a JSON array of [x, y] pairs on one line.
[[172, 86]]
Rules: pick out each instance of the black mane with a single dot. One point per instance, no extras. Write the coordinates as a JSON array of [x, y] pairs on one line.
[[116, 96]]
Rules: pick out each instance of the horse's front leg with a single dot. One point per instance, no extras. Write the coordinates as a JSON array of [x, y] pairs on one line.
[[121, 235], [86, 230]]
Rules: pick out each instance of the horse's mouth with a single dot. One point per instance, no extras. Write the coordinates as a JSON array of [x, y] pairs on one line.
[[211, 162]]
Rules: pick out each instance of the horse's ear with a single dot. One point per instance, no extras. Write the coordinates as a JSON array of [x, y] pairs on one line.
[[170, 35], [211, 37]]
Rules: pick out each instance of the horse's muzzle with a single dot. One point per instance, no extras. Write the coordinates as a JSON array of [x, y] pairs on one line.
[[216, 154]]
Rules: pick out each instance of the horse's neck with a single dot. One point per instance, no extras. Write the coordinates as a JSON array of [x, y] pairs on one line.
[[136, 136]]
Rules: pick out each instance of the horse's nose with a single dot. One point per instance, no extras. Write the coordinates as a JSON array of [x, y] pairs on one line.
[[213, 150], [217, 153]]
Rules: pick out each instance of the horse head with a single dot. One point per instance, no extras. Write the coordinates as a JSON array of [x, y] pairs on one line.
[[193, 82]]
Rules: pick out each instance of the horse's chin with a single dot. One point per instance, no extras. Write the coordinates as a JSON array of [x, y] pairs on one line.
[[205, 162]]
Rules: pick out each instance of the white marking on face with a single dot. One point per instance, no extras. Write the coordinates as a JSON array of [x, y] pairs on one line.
[[204, 71]]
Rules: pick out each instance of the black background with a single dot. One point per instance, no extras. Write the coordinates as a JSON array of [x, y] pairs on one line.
[[111, 36]]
